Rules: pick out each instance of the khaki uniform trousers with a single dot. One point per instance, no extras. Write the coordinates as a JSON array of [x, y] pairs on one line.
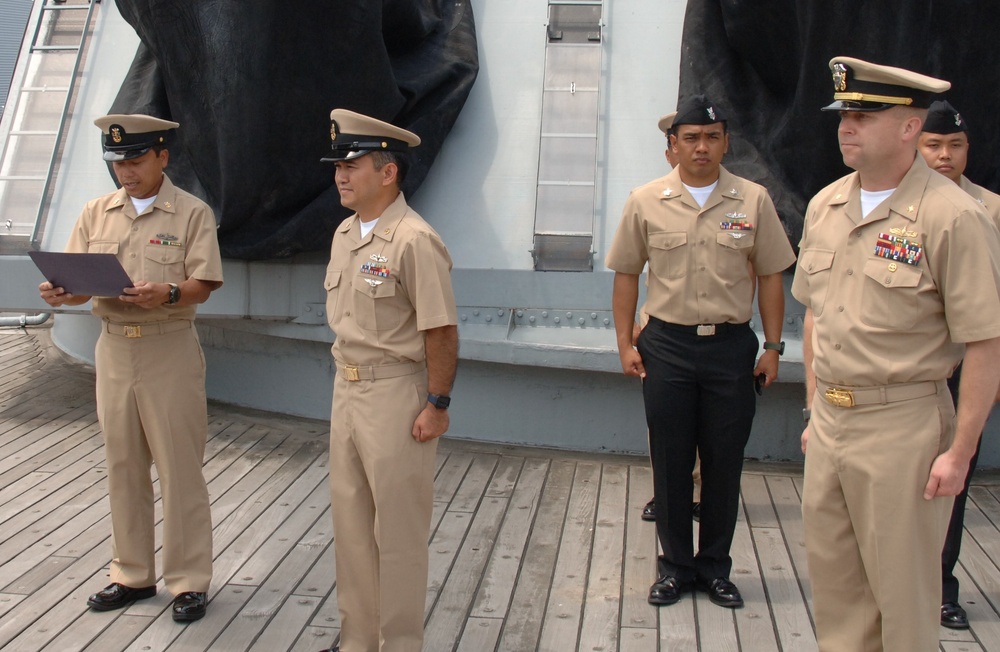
[[151, 406], [872, 541], [382, 495]]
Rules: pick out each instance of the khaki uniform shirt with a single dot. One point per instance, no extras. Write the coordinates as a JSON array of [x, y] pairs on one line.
[[173, 240], [384, 289], [698, 256], [989, 201], [895, 296]]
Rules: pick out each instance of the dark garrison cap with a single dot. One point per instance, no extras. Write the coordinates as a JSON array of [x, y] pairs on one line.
[[353, 135], [131, 136], [942, 118], [697, 110], [862, 86]]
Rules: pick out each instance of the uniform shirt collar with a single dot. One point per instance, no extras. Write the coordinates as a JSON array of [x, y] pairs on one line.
[[727, 188], [166, 199], [387, 221]]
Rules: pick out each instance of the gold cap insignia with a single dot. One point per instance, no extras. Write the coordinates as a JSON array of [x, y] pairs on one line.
[[116, 134], [839, 77], [333, 130]]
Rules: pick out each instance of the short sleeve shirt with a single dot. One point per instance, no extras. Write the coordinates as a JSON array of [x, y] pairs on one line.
[[384, 289], [698, 256], [895, 296], [174, 239], [988, 200]]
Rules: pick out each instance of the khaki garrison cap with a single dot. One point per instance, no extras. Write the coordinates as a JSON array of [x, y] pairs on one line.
[[354, 135], [131, 136], [862, 86], [666, 123]]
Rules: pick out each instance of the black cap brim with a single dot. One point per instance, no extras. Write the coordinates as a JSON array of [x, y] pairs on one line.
[[850, 105], [124, 155]]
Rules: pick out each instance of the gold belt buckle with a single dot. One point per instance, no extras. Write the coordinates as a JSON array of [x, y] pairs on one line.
[[133, 331], [840, 397], [351, 374], [706, 329]]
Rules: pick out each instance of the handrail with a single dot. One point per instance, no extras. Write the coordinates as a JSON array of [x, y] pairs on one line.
[[62, 121]]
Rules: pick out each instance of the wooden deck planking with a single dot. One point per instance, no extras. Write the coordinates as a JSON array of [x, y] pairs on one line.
[[530, 549]]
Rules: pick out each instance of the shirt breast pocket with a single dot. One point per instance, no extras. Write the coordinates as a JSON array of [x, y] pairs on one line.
[[375, 306], [817, 264], [164, 264], [668, 254], [103, 247], [733, 252], [332, 286], [890, 297]]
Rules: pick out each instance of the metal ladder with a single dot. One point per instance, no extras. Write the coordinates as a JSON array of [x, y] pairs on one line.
[[36, 115]]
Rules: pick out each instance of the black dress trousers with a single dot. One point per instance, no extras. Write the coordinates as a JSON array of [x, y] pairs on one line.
[[699, 396]]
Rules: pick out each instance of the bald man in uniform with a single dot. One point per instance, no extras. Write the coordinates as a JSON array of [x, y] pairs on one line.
[[150, 368], [944, 144], [898, 270], [697, 227], [390, 303]]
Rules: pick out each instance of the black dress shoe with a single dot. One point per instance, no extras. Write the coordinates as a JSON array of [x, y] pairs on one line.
[[116, 596], [953, 616], [190, 606], [666, 590], [696, 512], [722, 592], [649, 511]]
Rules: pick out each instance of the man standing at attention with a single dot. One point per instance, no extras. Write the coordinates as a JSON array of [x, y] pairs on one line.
[[944, 144], [150, 369], [899, 274], [697, 227], [391, 305]]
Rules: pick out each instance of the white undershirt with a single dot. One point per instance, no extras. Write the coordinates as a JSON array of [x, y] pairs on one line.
[[366, 227], [701, 194], [142, 204], [871, 199]]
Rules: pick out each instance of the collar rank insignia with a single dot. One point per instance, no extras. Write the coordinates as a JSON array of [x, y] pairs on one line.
[[899, 249], [668, 192]]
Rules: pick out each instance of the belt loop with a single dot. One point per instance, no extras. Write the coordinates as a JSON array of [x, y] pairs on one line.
[[881, 395]]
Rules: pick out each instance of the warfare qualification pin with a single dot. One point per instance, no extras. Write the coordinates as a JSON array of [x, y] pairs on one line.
[[839, 77]]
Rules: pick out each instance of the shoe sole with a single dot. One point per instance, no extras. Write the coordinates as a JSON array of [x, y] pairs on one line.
[[725, 603], [957, 626], [188, 618], [102, 606], [648, 518], [659, 602]]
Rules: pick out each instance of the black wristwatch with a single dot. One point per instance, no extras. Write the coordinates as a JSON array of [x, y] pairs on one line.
[[440, 401], [775, 346], [175, 294]]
